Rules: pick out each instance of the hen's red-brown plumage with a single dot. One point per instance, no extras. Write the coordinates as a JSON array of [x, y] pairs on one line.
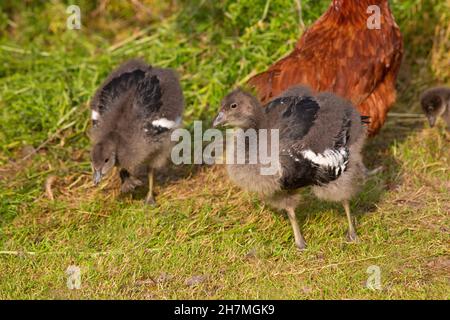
[[339, 53]]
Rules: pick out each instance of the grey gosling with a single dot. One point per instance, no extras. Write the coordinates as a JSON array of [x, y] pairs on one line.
[[134, 113], [320, 142], [435, 103]]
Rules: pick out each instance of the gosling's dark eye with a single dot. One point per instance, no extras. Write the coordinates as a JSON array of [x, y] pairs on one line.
[[106, 160], [233, 105]]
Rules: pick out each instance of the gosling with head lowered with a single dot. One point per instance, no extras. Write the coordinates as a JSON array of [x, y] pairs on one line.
[[436, 103], [320, 142], [133, 115]]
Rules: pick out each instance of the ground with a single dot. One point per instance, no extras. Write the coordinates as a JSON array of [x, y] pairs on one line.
[[206, 239]]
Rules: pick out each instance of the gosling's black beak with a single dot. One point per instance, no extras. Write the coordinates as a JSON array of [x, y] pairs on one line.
[[432, 121], [97, 176], [219, 120]]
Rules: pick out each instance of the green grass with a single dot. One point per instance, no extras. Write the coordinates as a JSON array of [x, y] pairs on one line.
[[204, 226]]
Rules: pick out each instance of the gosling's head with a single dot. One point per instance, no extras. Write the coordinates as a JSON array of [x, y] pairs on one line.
[[239, 109], [103, 157], [433, 106]]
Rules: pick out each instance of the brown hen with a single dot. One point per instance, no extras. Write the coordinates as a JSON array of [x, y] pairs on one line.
[[341, 54]]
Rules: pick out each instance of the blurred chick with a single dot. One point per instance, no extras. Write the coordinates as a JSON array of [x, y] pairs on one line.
[[436, 103], [133, 114], [320, 142]]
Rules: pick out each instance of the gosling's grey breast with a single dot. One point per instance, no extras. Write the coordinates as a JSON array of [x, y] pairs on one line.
[[248, 172]]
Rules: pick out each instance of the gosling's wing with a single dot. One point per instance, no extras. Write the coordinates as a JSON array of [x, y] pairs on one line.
[[302, 166], [292, 115], [118, 85], [148, 104]]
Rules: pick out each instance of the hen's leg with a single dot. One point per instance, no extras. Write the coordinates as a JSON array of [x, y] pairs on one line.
[[299, 240], [351, 235], [150, 200]]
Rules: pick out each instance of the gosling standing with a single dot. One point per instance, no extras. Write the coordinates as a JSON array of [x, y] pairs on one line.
[[320, 142]]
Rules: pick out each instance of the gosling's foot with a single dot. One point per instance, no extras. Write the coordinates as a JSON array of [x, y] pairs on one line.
[[301, 245], [130, 184], [150, 201], [352, 236]]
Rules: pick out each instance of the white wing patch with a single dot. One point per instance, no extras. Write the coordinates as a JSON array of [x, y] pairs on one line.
[[95, 115], [330, 158], [166, 123]]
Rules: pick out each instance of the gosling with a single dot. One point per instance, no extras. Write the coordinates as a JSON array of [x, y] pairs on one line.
[[436, 103], [134, 113], [320, 142]]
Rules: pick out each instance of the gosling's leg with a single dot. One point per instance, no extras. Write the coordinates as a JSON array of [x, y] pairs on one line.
[[299, 240], [150, 199], [351, 235]]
